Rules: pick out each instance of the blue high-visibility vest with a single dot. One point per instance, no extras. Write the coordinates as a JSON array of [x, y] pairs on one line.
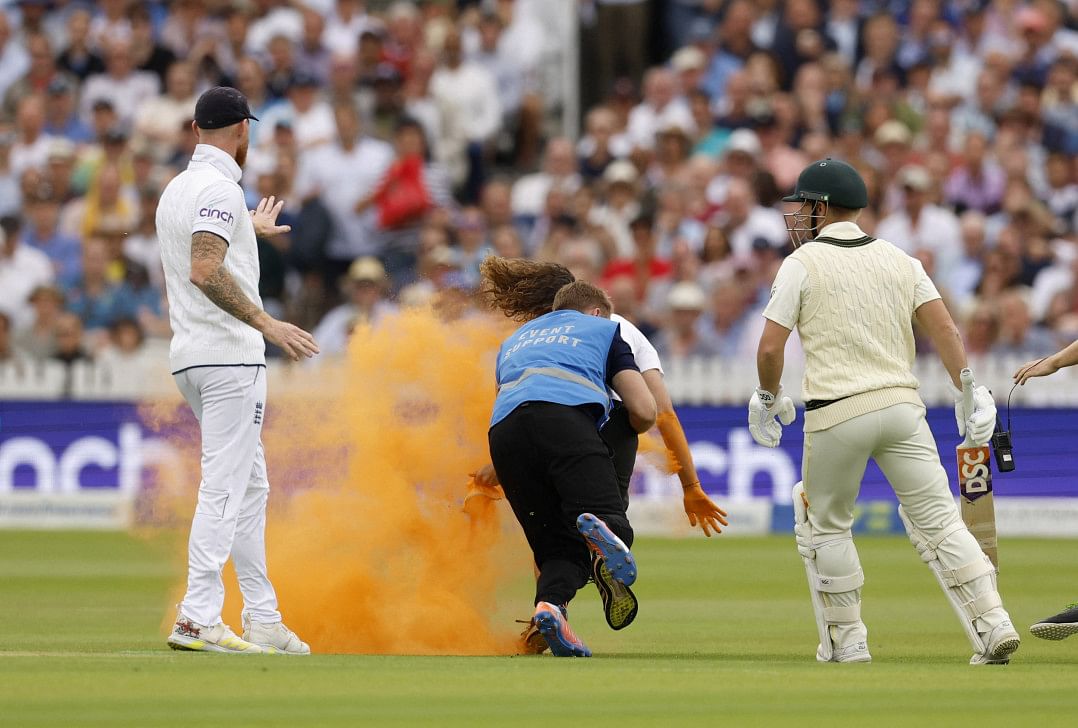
[[559, 357]]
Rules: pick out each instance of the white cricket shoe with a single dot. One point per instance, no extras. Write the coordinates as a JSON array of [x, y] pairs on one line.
[[1001, 643], [857, 652], [190, 636], [274, 637]]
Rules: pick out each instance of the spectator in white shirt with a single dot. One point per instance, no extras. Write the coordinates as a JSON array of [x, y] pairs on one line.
[[961, 285], [14, 61], [310, 117], [952, 70], [620, 208], [159, 119], [10, 189], [31, 148], [471, 115], [744, 219], [282, 20], [510, 50], [120, 84], [662, 106], [110, 21], [22, 269], [919, 224], [559, 168], [345, 24], [343, 173]]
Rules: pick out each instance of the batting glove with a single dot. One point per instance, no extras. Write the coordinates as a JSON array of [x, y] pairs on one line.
[[764, 407], [981, 422]]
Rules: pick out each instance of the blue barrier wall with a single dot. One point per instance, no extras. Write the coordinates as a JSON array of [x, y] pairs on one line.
[[731, 464], [68, 446]]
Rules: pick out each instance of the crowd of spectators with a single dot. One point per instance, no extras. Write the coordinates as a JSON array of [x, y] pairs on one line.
[[412, 139]]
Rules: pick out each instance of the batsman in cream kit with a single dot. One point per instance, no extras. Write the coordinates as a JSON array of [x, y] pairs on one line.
[[217, 354], [853, 299]]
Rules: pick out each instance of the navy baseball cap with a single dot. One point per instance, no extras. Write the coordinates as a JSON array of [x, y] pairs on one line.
[[221, 106]]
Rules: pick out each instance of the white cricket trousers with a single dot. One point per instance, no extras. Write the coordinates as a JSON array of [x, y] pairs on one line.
[[230, 518]]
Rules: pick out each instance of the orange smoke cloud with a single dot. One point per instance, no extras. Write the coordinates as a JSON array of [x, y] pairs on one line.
[[367, 542]]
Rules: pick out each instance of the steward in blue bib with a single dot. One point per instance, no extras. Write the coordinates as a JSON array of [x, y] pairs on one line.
[[561, 358]]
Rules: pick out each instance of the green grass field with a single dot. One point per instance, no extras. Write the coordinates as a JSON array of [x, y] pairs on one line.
[[724, 636]]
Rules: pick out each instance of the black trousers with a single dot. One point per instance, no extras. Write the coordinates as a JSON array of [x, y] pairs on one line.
[[553, 466], [623, 442]]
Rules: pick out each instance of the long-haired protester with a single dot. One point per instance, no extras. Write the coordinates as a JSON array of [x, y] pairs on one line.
[[524, 290], [554, 374]]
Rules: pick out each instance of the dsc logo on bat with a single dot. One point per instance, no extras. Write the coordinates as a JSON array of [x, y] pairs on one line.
[[975, 472]]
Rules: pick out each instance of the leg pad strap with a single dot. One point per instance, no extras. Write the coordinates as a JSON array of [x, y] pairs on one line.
[[981, 605], [967, 572], [842, 615], [839, 584]]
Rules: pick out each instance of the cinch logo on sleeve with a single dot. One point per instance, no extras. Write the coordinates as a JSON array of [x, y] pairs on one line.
[[223, 215]]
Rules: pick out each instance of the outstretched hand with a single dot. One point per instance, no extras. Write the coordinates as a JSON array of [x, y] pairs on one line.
[[702, 511], [1036, 368], [265, 215]]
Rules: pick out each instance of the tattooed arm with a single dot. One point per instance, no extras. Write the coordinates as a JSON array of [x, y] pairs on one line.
[[209, 275]]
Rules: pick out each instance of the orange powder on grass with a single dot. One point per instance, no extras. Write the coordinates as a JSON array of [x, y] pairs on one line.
[[367, 543]]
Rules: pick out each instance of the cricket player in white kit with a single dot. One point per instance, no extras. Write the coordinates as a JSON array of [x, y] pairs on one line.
[[853, 298], [217, 356]]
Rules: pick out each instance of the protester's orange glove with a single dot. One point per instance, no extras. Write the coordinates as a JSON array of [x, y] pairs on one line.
[[483, 488], [702, 510], [485, 476]]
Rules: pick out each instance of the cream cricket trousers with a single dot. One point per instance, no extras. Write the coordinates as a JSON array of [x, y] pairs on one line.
[[899, 440], [230, 518]]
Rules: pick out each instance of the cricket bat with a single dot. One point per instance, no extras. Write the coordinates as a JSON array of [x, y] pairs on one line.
[[975, 483]]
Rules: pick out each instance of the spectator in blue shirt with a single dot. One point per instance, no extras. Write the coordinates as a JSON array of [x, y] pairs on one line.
[[42, 231], [95, 300], [61, 119]]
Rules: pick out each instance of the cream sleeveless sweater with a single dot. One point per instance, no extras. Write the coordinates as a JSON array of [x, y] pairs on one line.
[[856, 328]]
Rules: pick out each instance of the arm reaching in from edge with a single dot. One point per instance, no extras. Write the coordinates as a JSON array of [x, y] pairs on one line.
[[209, 275], [1048, 365], [698, 507]]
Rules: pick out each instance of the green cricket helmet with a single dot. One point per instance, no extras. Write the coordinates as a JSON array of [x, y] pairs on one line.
[[823, 183]]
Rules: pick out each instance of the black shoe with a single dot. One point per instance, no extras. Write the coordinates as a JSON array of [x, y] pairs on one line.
[[1059, 625], [619, 602]]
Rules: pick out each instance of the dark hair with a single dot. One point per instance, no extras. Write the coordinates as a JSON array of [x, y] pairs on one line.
[[581, 296], [11, 225], [406, 123], [521, 289]]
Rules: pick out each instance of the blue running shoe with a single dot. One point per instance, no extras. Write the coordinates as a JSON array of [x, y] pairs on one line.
[[611, 549], [554, 627]]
